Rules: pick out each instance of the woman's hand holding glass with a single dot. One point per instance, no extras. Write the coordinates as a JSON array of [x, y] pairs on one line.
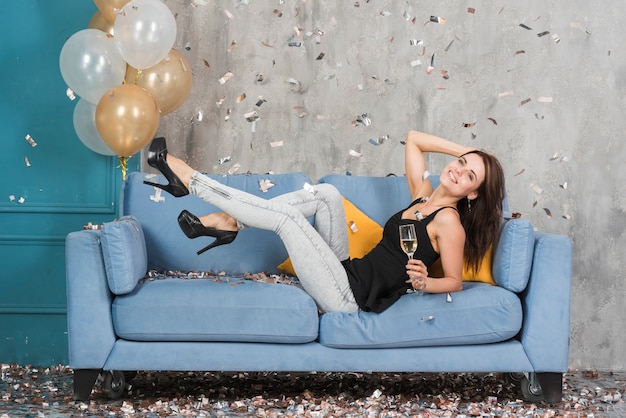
[[415, 268]]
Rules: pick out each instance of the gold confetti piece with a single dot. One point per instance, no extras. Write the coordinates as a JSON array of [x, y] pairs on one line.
[[241, 98], [27, 162], [21, 200], [563, 186], [548, 213], [468, 125], [353, 227], [234, 168], [225, 77], [30, 140], [516, 215], [267, 45], [278, 13], [544, 99], [519, 172], [534, 204], [544, 33], [521, 51], [505, 93], [277, 144], [471, 10], [228, 14], [233, 44], [220, 101], [416, 42], [525, 27], [12, 198], [567, 217], [224, 160], [540, 117], [554, 157], [523, 102], [265, 185], [70, 93], [320, 56], [416, 63], [493, 121], [536, 188], [444, 74], [356, 154], [206, 63], [556, 38]]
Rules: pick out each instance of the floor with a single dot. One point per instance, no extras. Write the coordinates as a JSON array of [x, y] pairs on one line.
[[47, 392]]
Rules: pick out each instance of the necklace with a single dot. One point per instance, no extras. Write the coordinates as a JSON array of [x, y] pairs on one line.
[[418, 214]]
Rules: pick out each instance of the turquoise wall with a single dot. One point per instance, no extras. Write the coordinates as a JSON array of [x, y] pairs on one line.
[[62, 184]]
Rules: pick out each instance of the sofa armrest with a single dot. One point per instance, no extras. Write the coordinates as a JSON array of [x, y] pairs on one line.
[[546, 304], [90, 326]]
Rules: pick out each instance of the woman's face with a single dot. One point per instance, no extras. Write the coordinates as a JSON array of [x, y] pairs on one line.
[[464, 175]]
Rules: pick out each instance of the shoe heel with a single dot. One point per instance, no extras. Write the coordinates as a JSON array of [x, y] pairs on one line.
[[172, 189], [227, 239]]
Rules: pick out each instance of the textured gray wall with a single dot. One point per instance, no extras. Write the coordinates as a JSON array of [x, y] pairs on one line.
[[551, 107]]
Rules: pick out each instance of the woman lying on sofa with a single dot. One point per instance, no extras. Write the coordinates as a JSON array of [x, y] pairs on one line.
[[456, 222]]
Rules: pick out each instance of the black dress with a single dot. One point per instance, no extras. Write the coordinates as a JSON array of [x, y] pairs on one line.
[[379, 278]]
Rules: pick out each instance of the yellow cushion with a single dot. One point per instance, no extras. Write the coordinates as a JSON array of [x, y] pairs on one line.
[[482, 275], [363, 235]]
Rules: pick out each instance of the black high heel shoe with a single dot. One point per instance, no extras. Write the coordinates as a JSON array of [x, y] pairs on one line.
[[193, 228], [157, 154]]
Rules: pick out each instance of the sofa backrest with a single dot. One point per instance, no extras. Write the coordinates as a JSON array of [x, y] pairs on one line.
[[253, 250], [256, 250]]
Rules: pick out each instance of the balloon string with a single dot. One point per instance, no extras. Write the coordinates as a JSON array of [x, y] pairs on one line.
[[123, 162], [137, 77]]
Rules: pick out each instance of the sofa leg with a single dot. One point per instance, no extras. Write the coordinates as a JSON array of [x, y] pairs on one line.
[[551, 386], [84, 380]]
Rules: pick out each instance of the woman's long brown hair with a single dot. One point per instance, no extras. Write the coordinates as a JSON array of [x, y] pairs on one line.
[[482, 216]]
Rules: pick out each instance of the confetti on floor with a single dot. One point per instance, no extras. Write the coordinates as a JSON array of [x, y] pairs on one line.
[[47, 392]]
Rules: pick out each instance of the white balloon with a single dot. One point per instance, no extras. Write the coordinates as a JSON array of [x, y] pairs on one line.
[[91, 64], [85, 127], [145, 31]]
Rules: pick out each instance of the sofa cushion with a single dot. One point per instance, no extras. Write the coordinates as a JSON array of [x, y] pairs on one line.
[[124, 251], [513, 257], [480, 314], [218, 309], [254, 250]]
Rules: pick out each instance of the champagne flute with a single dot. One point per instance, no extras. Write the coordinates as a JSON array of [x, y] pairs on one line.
[[408, 243], [408, 239]]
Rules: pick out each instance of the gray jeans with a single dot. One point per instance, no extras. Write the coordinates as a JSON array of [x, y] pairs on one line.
[[315, 252]]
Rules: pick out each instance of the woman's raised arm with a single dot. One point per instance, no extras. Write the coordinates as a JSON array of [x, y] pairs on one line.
[[418, 143]]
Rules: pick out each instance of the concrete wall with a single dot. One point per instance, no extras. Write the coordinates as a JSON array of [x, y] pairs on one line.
[[550, 106]]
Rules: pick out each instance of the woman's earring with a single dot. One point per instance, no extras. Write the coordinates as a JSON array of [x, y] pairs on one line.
[[469, 205]]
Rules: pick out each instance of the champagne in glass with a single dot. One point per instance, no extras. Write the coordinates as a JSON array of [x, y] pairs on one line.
[[408, 239]]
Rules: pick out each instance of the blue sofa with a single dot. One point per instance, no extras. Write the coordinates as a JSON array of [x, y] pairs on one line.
[[140, 298]]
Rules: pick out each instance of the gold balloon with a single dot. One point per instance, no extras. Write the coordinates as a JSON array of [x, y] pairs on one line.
[[169, 81], [98, 21], [127, 117], [107, 7]]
